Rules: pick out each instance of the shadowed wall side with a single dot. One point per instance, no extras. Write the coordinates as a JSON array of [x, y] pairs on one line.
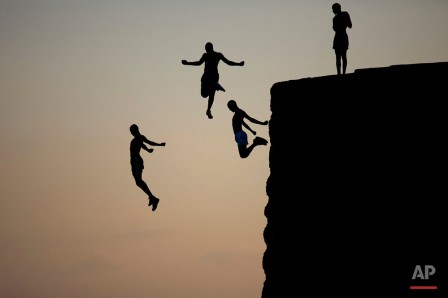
[[356, 165]]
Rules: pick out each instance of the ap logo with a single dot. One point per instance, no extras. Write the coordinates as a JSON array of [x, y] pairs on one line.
[[423, 273]]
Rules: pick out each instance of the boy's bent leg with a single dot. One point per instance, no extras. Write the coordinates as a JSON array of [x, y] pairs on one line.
[[142, 184], [211, 99], [205, 89], [205, 93], [244, 151]]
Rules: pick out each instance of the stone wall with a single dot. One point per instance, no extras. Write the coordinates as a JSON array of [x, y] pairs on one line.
[[357, 181]]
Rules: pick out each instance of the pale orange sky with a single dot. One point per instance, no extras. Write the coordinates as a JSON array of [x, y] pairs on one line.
[[76, 74]]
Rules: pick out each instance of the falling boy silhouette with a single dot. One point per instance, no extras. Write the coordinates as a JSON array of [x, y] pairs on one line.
[[240, 135], [210, 78], [137, 143]]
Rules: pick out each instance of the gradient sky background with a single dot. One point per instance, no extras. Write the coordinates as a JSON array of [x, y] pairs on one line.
[[74, 75]]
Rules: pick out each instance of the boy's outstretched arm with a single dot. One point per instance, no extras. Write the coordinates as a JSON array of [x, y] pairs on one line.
[[153, 143], [150, 150], [194, 63], [253, 120], [231, 63], [250, 129]]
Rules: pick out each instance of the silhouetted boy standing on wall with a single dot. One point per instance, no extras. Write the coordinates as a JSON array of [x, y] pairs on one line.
[[137, 143], [210, 78], [240, 134], [341, 21]]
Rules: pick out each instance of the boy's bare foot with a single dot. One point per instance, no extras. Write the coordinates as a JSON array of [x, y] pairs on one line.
[[220, 88], [154, 202], [260, 141]]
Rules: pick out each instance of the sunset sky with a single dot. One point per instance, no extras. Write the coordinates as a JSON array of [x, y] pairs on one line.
[[75, 74]]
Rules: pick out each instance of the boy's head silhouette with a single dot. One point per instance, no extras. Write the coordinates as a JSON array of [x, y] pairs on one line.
[[231, 104], [336, 7], [209, 47], [134, 129]]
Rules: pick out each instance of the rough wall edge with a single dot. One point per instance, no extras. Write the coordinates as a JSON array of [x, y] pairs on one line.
[[279, 286]]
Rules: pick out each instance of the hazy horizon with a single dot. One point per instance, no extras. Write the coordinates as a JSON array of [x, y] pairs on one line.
[[76, 74]]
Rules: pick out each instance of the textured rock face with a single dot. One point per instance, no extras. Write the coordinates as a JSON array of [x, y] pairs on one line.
[[357, 185]]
